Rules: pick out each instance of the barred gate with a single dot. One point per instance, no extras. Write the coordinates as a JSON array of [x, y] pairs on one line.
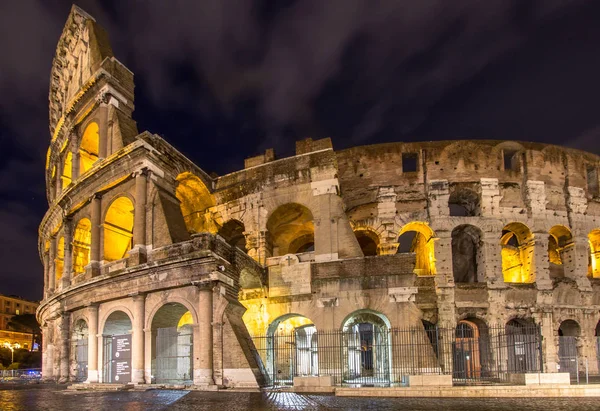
[[173, 360], [107, 359], [81, 359], [567, 355], [385, 357]]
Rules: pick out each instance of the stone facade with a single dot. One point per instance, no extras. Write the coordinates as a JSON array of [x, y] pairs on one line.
[[139, 241]]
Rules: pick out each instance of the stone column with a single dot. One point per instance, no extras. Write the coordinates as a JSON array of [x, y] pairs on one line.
[[65, 345], [492, 259], [205, 315], [138, 253], [443, 259], [46, 273], [67, 268], [541, 263], [52, 268], [578, 258], [95, 247], [138, 339], [48, 352], [92, 344], [549, 343], [75, 171], [103, 129]]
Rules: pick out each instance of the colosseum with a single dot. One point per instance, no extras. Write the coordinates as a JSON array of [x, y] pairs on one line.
[[448, 263]]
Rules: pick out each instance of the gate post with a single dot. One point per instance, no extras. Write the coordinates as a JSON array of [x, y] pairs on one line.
[[204, 376], [92, 344], [65, 340], [137, 339]]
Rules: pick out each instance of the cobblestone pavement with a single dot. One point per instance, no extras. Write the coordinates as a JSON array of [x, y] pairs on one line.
[[56, 398]]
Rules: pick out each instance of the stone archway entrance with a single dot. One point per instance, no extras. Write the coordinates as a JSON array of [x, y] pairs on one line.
[[116, 349], [172, 345], [366, 349], [568, 355]]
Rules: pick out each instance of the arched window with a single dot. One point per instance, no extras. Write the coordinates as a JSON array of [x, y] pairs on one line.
[[368, 241], [195, 201], [517, 253], [82, 241], [233, 232], [467, 254], [464, 202], [471, 349], [118, 229], [594, 259], [417, 237], [88, 150], [568, 350], [559, 239], [292, 230]]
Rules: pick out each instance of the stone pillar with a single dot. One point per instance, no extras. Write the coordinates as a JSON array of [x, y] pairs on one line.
[[52, 268], [46, 273], [540, 267], [92, 344], [103, 130], [138, 253], [443, 259], [577, 258], [549, 343], [65, 345], [75, 171], [68, 266], [48, 352], [492, 259], [95, 247], [204, 375], [137, 339]]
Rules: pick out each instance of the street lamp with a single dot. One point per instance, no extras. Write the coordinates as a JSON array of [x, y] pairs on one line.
[[12, 347]]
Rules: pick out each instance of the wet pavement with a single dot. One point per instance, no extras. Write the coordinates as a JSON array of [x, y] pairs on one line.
[[52, 397]]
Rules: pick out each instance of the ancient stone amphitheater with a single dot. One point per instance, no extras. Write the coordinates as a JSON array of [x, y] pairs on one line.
[[454, 261]]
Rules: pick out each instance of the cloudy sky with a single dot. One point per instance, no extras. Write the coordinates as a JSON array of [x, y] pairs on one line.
[[223, 80]]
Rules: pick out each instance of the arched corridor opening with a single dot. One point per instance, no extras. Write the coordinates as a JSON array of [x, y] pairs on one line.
[[594, 259], [523, 346], [172, 345], [366, 348], [560, 243], [417, 237], [291, 349], [233, 232], [79, 340], [116, 348], [517, 253], [82, 241], [292, 230], [118, 229], [195, 202], [463, 202], [568, 350], [88, 149], [467, 254], [368, 241], [470, 350]]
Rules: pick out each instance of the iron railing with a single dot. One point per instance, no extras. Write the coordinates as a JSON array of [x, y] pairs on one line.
[[376, 356]]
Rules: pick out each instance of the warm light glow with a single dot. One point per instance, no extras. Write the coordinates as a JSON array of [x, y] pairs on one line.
[[186, 319], [422, 246], [82, 241], [256, 318], [59, 261], [517, 254], [594, 267], [195, 201], [88, 150], [67, 170], [292, 230], [560, 238], [118, 229]]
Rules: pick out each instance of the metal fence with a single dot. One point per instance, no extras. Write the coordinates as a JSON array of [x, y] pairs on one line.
[[367, 355]]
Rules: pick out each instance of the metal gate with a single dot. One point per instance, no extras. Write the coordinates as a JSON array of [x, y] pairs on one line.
[[107, 359], [173, 362], [567, 355], [367, 353], [81, 358]]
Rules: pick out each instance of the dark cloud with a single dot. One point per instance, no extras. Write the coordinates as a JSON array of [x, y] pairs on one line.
[[223, 80]]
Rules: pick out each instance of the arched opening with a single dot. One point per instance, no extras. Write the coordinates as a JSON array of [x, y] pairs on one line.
[[597, 338], [59, 262], [467, 254], [291, 349], [594, 259], [82, 241], [80, 349], [118, 229], [292, 230], [233, 232], [67, 171], [517, 253], [195, 202], [172, 345], [366, 348], [368, 241], [88, 149], [523, 346], [559, 243], [464, 202], [116, 348], [418, 238], [568, 355], [470, 350]]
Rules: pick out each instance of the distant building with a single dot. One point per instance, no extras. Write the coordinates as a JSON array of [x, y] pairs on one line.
[[9, 306]]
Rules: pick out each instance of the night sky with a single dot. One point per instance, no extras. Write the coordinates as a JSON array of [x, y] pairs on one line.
[[224, 80]]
